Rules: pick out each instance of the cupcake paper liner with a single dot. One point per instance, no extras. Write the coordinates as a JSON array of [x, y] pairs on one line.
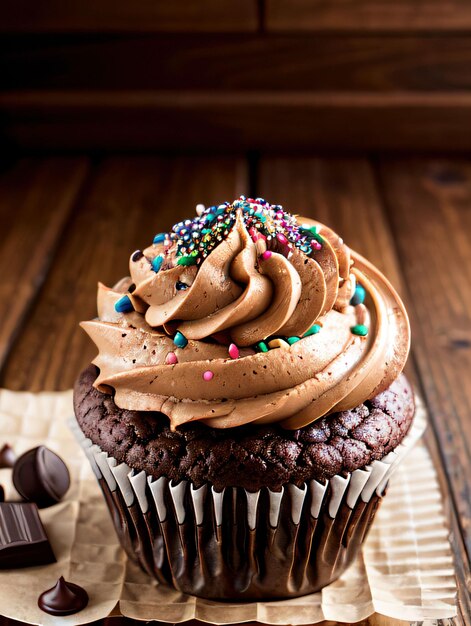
[[240, 545]]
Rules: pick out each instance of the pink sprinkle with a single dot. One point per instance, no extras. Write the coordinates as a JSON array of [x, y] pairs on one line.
[[234, 351], [171, 358], [316, 245], [253, 233], [208, 375], [281, 238], [267, 254]]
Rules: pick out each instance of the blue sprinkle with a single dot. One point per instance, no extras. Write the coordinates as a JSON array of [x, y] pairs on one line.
[[123, 305], [358, 296], [180, 340], [157, 263], [160, 238]]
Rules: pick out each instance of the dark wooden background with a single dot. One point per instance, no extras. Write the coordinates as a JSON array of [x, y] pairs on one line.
[[117, 117], [236, 74]]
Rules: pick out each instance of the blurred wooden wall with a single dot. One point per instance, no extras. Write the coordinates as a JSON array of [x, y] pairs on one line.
[[236, 74]]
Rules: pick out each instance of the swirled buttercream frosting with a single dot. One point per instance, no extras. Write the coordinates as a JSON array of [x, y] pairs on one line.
[[244, 314]]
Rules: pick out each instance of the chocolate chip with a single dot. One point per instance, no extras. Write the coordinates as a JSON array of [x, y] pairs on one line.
[[64, 598], [137, 255], [41, 476], [7, 456]]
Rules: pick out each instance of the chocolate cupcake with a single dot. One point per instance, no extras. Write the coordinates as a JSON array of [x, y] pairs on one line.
[[246, 407]]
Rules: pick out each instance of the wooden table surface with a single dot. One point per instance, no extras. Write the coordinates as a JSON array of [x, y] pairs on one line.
[[67, 222]]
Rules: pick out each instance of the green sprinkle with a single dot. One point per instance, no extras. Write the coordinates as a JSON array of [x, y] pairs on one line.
[[359, 329], [262, 346], [261, 217], [180, 340], [313, 231], [186, 260], [313, 330], [292, 340]]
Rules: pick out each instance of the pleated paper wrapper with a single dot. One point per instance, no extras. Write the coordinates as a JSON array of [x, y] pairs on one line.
[[405, 570]]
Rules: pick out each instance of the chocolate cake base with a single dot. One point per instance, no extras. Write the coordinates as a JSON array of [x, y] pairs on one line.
[[248, 456]]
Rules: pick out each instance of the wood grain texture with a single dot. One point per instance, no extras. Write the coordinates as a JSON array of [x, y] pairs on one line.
[[236, 120], [129, 199], [300, 62], [367, 15], [429, 203], [344, 194], [30, 232], [141, 17]]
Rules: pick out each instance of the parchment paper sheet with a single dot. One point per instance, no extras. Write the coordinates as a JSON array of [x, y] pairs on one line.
[[405, 572]]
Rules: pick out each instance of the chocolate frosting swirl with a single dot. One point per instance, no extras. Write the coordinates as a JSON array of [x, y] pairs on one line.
[[250, 287]]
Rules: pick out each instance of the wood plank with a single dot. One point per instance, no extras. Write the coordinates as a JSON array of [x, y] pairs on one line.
[[344, 194], [236, 120], [128, 201], [36, 200], [141, 17], [300, 62], [367, 15], [430, 208]]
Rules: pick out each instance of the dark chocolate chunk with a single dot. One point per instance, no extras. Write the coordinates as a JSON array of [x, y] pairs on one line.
[[63, 599], [41, 476], [7, 456], [2, 494], [23, 540], [136, 256]]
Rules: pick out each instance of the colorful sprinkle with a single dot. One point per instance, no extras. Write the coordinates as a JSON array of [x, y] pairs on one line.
[[187, 260], [359, 295], [160, 238], [198, 237], [267, 254], [123, 305], [208, 375], [262, 346], [359, 329], [171, 358], [180, 340], [292, 340], [234, 351], [313, 330], [157, 263], [278, 343]]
